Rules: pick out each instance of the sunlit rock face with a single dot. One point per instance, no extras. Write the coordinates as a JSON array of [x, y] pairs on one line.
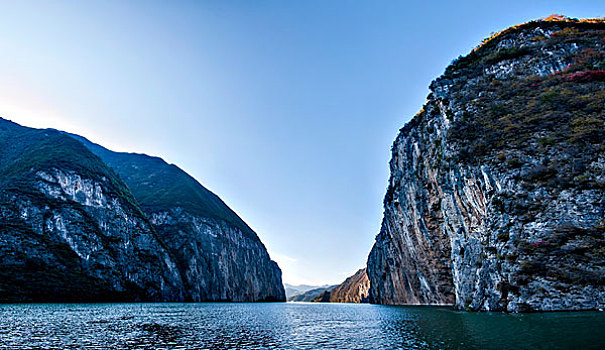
[[355, 289], [496, 194]]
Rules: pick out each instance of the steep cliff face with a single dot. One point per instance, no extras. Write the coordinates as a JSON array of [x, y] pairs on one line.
[[218, 260], [219, 256], [70, 229], [496, 195], [354, 289]]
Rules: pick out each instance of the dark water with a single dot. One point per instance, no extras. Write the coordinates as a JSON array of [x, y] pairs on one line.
[[289, 326]]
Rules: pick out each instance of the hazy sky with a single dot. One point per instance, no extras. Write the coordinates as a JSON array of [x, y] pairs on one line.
[[286, 110]]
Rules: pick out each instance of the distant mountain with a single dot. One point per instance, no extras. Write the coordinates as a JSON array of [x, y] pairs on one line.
[[81, 223], [292, 290], [311, 294], [354, 289]]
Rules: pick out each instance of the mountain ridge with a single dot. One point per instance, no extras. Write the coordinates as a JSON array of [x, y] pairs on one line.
[[114, 157]]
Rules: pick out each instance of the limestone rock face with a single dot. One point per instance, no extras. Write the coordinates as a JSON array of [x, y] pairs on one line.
[[354, 289], [496, 194]]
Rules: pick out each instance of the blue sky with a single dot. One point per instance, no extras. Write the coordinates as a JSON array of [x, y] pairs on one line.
[[287, 110]]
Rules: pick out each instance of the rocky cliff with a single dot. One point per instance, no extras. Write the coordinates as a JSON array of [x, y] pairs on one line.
[[497, 188], [72, 230], [354, 289], [219, 256]]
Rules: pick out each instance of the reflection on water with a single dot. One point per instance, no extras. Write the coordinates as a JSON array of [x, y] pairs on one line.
[[289, 326]]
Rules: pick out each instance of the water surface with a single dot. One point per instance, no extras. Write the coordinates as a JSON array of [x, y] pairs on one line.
[[289, 326]]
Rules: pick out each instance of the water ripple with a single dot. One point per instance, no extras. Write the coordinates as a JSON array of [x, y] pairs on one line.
[[287, 326]]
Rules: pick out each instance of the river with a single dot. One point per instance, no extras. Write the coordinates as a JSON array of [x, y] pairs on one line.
[[289, 326]]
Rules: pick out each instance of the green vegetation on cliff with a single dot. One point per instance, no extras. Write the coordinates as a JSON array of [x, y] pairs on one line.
[[25, 151]]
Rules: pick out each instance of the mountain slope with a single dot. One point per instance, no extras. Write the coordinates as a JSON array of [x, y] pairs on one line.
[[70, 230], [496, 195], [219, 256], [355, 289], [157, 185]]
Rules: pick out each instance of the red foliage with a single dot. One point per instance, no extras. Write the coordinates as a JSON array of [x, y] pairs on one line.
[[587, 76]]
